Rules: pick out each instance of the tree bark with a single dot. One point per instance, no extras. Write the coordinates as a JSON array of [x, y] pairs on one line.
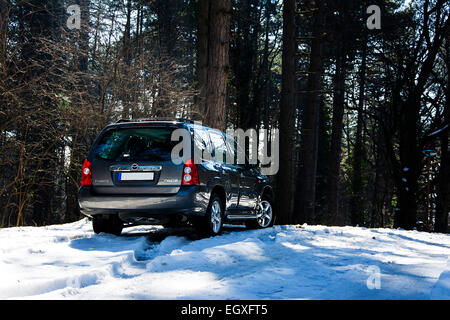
[[244, 70], [126, 50], [218, 64], [285, 180], [3, 34], [336, 136], [356, 208], [78, 149], [443, 190], [202, 60], [309, 137]]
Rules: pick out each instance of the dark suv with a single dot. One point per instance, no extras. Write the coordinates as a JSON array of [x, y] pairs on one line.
[[130, 178]]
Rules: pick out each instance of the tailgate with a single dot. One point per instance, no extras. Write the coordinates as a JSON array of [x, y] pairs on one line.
[[135, 160]]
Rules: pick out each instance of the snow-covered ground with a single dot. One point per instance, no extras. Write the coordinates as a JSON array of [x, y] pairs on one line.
[[285, 262]]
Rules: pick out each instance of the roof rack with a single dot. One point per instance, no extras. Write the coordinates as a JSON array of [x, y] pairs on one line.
[[156, 119]]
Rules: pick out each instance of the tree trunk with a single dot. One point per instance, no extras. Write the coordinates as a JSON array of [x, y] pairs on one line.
[[244, 70], [336, 137], [42, 22], [218, 64], [78, 149], [310, 125], [285, 180], [443, 190], [3, 34], [202, 60], [410, 165], [266, 69], [382, 190], [126, 50], [356, 208]]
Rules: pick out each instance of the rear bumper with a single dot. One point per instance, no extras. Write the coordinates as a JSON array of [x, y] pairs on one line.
[[189, 201]]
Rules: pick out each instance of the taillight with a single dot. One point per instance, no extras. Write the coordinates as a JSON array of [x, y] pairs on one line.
[[190, 174], [86, 174]]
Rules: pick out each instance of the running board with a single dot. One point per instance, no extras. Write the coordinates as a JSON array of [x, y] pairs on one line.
[[241, 216]]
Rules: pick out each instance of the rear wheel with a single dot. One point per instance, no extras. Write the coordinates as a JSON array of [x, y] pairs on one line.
[[109, 224], [265, 216], [211, 224]]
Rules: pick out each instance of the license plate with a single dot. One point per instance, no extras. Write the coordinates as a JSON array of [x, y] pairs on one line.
[[136, 176]]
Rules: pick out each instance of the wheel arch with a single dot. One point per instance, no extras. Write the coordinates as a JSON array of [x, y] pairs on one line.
[[267, 191], [220, 191]]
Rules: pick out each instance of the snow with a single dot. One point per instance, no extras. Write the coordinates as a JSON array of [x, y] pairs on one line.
[[441, 289], [285, 262]]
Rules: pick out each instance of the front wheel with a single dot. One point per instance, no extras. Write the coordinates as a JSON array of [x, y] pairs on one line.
[[211, 224], [265, 216]]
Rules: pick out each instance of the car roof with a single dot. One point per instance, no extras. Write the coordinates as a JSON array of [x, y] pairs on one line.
[[160, 120]]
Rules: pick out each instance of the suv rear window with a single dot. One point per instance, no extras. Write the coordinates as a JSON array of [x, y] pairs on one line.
[[136, 144]]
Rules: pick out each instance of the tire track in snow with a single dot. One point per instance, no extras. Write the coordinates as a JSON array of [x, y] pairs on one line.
[[70, 261]]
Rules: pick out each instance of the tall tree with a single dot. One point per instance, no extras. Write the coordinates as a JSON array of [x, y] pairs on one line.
[[76, 130], [310, 123], [337, 127], [126, 52], [285, 180], [408, 167], [443, 193], [4, 8], [356, 211], [202, 49], [218, 63], [245, 61], [43, 22]]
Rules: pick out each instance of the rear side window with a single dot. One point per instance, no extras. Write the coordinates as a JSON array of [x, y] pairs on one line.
[[220, 148], [232, 151], [202, 143], [136, 144]]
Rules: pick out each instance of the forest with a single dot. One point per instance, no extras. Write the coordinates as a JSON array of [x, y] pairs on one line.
[[360, 98]]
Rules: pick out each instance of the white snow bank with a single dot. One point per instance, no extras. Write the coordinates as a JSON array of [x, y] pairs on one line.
[[285, 262], [442, 288]]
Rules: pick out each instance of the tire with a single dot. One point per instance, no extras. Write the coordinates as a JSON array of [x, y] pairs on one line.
[[212, 223], [111, 224], [265, 215]]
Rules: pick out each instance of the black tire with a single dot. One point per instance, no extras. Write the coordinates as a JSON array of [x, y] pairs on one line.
[[110, 224], [172, 223], [98, 224], [207, 227], [256, 224]]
